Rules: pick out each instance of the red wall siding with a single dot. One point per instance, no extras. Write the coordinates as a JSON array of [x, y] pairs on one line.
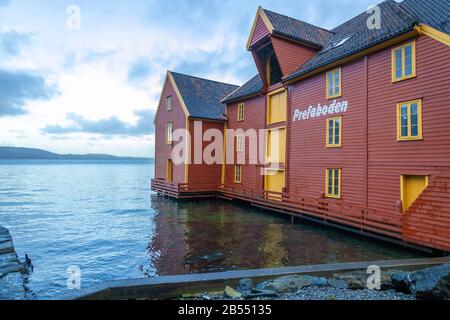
[[388, 159], [163, 151], [308, 155], [291, 55], [261, 31], [203, 176], [255, 118]]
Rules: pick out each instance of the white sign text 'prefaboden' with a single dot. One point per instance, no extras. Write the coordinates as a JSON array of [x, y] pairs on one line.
[[321, 111]]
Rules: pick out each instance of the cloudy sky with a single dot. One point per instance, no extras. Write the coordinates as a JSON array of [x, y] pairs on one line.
[[95, 89]]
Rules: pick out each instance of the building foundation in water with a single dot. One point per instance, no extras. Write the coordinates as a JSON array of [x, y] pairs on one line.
[[355, 122]]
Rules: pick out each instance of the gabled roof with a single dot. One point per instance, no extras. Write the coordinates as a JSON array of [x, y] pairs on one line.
[[288, 27], [249, 89], [352, 36], [396, 19], [298, 30], [434, 13], [394, 22], [202, 96]]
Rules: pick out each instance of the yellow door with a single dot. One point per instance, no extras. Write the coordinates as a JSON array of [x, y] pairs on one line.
[[169, 171], [412, 187], [276, 146], [275, 182], [277, 108]]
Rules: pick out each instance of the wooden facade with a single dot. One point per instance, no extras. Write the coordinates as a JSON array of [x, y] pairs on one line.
[[375, 158]]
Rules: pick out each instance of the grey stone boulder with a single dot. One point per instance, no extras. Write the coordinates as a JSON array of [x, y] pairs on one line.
[[245, 285], [317, 281], [255, 294], [337, 284], [6, 247], [402, 281], [356, 280], [432, 283], [231, 293], [291, 283]]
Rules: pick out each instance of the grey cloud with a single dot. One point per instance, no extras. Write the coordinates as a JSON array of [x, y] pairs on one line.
[[12, 42], [17, 88], [107, 127]]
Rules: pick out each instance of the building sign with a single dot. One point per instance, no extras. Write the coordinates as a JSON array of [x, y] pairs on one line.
[[321, 111]]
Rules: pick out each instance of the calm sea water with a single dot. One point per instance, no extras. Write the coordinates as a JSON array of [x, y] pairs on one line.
[[103, 218]]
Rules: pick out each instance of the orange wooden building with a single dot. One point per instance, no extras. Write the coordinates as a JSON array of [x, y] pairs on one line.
[[362, 116]]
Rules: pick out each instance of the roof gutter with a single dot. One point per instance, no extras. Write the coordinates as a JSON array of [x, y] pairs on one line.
[[244, 97]]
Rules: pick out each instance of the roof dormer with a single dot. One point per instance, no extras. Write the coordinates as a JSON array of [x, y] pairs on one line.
[[281, 44]]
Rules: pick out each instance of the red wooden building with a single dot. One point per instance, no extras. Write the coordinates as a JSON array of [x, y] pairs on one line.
[[359, 119]]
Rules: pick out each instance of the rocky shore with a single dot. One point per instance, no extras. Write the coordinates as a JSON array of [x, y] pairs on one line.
[[11, 278], [431, 283]]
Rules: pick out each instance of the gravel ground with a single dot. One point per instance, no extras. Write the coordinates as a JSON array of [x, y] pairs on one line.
[[329, 293]]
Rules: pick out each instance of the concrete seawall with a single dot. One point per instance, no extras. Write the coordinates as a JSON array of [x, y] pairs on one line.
[[172, 287], [11, 279]]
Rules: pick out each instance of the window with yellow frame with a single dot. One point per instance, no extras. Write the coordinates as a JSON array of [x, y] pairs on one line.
[[241, 112], [169, 133], [409, 120], [240, 143], [276, 145], [238, 174], [169, 103], [333, 183], [334, 132], [334, 83], [404, 62]]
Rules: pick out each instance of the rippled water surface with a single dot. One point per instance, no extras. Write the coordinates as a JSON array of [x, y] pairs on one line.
[[103, 218]]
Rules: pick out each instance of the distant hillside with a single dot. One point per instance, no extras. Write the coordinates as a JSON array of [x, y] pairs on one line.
[[37, 154]]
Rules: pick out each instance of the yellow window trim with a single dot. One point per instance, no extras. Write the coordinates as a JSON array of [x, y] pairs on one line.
[[169, 176], [277, 91], [334, 145], [224, 154], [271, 94], [327, 185], [167, 131], [169, 106], [393, 62], [275, 169], [240, 142], [236, 180], [267, 142], [399, 121], [268, 69], [241, 112], [328, 84]]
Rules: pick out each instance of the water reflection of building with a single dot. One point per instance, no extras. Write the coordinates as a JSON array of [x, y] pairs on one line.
[[210, 236], [167, 248], [214, 236]]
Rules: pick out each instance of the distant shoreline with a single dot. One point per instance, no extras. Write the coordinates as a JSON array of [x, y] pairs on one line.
[[12, 153], [81, 159]]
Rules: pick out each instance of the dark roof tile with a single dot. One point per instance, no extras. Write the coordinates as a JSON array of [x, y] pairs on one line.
[[202, 97], [435, 13], [249, 89], [394, 21], [298, 30]]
